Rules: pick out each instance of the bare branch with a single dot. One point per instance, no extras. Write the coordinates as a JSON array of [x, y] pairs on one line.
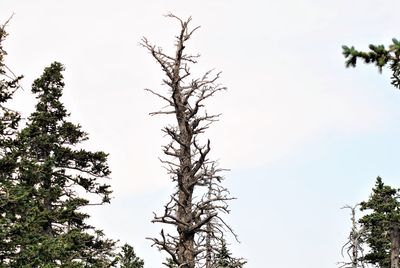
[[353, 246], [195, 208]]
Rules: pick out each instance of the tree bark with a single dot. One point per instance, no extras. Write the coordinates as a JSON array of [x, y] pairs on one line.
[[395, 246], [189, 209]]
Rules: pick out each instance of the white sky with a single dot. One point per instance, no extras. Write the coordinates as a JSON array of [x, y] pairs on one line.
[[301, 134]]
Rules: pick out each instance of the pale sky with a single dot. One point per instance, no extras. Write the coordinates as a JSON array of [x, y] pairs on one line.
[[301, 134]]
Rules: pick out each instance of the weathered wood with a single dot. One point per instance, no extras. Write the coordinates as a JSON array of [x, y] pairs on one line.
[[198, 225]]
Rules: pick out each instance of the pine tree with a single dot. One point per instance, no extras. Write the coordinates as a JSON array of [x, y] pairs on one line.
[[53, 170], [378, 55], [382, 226]]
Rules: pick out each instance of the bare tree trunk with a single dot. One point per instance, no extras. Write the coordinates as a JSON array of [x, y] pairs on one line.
[[395, 245], [354, 239], [185, 182], [189, 167], [353, 245]]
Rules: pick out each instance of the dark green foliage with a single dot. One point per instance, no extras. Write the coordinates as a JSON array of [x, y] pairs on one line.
[[46, 180], [9, 119], [378, 55], [385, 211], [10, 192], [127, 258], [49, 229], [382, 225], [224, 258]]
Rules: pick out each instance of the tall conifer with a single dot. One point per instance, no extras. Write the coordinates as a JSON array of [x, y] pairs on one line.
[[382, 226], [10, 192], [52, 232]]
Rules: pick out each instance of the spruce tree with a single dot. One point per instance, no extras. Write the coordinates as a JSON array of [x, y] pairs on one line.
[[127, 258], [224, 258], [10, 192], [382, 226], [54, 171]]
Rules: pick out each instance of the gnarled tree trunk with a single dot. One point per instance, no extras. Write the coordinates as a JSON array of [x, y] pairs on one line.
[[192, 207]]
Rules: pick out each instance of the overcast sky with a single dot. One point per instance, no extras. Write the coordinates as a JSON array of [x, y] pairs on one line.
[[301, 134]]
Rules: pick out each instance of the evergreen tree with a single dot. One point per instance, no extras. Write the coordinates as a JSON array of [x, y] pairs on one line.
[[383, 236], [378, 55], [224, 259], [10, 192], [382, 226], [127, 258], [52, 169]]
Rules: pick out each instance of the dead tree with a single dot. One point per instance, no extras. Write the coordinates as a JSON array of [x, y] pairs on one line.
[[353, 246], [194, 209]]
